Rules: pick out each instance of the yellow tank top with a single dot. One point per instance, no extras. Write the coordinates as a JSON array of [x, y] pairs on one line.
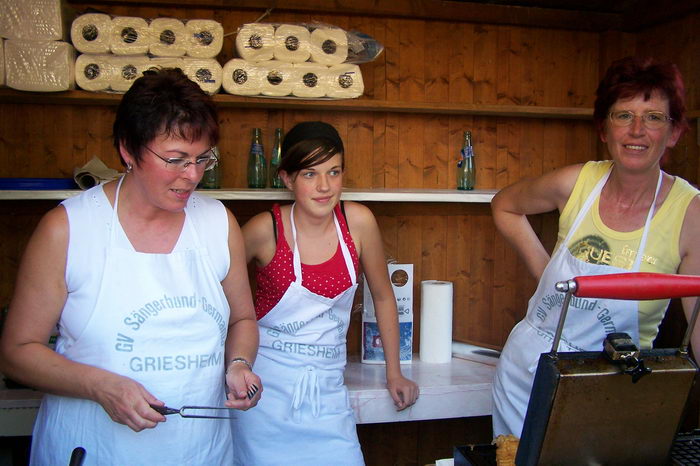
[[595, 243]]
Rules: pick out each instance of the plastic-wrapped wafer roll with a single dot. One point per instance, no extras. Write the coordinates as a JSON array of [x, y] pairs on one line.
[[130, 36], [310, 80], [276, 78], [127, 69], [91, 33], [169, 37], [345, 81], [204, 71], [255, 42], [329, 45], [94, 72], [206, 37], [241, 77], [292, 43]]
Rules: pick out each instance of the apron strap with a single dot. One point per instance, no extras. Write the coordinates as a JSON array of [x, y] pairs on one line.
[[296, 260], [115, 216], [115, 220], [589, 202], [647, 223]]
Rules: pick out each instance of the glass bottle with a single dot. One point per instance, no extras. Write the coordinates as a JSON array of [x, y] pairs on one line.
[[257, 165], [275, 158], [212, 177], [466, 173]]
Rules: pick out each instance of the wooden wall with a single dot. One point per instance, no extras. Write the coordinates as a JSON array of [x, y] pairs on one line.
[[435, 61], [423, 61]]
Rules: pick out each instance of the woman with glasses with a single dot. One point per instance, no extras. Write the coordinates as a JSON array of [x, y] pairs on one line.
[[619, 215], [147, 283], [308, 256]]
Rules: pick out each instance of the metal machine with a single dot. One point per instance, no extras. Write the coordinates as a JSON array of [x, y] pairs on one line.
[[620, 406]]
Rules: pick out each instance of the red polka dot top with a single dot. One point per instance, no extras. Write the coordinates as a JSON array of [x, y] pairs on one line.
[[327, 279]]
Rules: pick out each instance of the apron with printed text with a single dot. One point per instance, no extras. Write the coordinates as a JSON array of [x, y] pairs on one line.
[[162, 320], [587, 323], [304, 414]]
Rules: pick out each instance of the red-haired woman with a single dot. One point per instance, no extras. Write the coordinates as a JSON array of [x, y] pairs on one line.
[[618, 215]]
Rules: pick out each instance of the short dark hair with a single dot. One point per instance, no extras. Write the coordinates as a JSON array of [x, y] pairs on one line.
[[633, 76], [164, 101], [308, 144]]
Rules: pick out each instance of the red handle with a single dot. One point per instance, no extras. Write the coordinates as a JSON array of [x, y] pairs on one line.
[[637, 286]]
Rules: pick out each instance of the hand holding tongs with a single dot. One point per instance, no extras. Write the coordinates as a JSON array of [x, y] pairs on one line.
[[195, 412], [198, 411]]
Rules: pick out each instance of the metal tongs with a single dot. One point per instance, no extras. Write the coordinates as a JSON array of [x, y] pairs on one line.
[[195, 412]]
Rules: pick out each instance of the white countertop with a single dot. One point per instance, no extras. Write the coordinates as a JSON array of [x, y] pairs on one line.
[[460, 388]]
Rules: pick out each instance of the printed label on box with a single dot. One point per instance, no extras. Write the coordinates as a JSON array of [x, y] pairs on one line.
[[401, 277], [372, 349]]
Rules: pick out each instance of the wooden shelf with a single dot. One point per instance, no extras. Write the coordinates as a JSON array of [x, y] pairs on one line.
[[79, 97], [374, 195]]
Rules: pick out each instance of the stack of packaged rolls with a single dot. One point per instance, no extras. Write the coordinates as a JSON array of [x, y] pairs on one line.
[[296, 60], [36, 56], [116, 50]]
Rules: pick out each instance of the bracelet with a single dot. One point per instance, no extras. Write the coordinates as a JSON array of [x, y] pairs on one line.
[[242, 361]]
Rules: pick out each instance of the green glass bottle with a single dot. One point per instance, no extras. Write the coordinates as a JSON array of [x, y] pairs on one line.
[[257, 165], [275, 158], [212, 177], [466, 172]]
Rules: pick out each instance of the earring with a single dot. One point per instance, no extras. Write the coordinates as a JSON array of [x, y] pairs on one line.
[[128, 167]]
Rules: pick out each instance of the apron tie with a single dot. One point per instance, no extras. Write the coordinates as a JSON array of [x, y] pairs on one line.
[[307, 383]]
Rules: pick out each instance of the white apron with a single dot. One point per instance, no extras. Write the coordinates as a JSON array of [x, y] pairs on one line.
[[160, 319], [304, 415], [587, 323]]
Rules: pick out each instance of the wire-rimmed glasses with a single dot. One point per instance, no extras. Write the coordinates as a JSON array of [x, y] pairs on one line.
[[651, 120], [202, 162]]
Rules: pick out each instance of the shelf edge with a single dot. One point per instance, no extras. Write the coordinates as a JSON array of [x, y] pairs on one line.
[[376, 195]]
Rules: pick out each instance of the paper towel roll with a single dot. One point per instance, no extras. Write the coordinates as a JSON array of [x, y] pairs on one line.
[[345, 81], [94, 72], [127, 69], [241, 77], [310, 80], [165, 62], [292, 43], [39, 65], [206, 37], [91, 32], [436, 321], [277, 78], [329, 46], [169, 37], [204, 71], [34, 20], [255, 42], [2, 62], [130, 36]]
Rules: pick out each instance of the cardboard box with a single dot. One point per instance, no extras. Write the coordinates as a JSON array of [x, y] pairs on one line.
[[401, 277]]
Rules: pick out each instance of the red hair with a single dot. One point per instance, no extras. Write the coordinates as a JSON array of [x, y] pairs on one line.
[[633, 76]]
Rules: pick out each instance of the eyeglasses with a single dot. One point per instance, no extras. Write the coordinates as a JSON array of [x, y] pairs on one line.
[[651, 120], [203, 162]]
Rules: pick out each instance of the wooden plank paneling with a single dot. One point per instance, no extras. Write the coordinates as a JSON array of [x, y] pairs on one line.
[[425, 64], [461, 67], [485, 59]]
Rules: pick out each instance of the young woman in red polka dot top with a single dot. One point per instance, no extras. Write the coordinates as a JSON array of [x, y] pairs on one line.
[[308, 256]]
